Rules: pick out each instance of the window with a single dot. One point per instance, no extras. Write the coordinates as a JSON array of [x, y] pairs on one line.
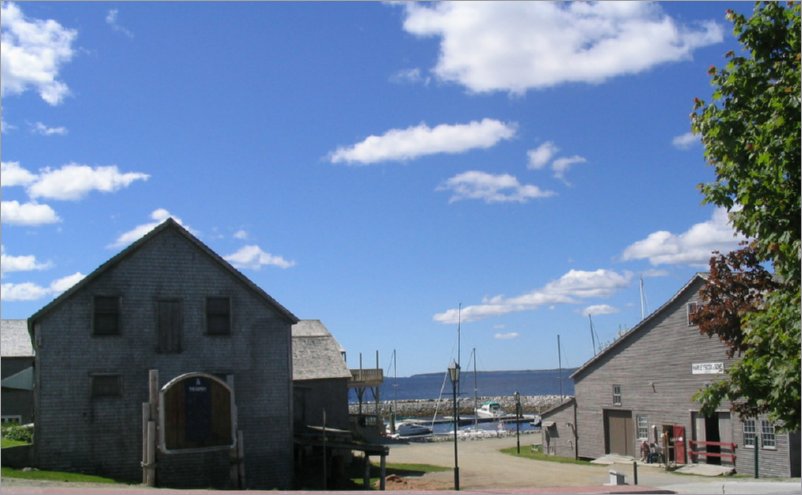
[[218, 316], [643, 428], [769, 441], [749, 433], [616, 395], [106, 386], [692, 310], [106, 320], [169, 325], [14, 419]]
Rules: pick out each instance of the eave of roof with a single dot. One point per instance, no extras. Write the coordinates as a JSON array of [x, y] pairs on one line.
[[644, 323], [559, 407], [136, 245]]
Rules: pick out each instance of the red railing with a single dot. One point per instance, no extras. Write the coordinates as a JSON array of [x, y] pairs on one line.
[[696, 444]]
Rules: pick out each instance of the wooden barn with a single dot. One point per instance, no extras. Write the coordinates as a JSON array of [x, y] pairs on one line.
[[17, 372], [640, 389], [221, 347]]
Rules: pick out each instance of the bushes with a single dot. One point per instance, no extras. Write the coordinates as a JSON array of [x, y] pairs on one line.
[[21, 433]]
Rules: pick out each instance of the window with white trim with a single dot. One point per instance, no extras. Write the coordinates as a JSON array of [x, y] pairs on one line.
[[616, 395], [693, 308], [767, 437], [11, 419], [749, 433], [643, 427]]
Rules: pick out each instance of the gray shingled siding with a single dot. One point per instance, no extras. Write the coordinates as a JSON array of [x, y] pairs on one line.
[[653, 367], [103, 435], [558, 431], [312, 396]]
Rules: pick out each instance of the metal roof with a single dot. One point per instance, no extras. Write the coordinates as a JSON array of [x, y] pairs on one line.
[[316, 354], [16, 341]]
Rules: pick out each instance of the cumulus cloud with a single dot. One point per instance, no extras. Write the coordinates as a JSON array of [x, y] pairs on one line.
[[541, 156], [43, 130], [32, 52], [517, 46], [29, 291], [568, 289], [561, 165], [112, 20], [490, 188], [685, 141], [692, 247], [253, 257], [12, 174], [30, 214], [158, 216], [421, 140], [506, 336], [10, 263], [599, 309], [74, 181]]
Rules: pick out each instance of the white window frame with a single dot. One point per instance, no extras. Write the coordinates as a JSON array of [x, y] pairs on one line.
[[768, 437], [617, 395], [750, 433], [690, 309], [11, 418], [642, 426]]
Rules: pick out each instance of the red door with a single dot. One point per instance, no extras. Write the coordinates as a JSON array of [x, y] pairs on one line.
[[679, 444]]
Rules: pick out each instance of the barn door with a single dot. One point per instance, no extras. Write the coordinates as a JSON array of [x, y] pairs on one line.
[[619, 432], [679, 444]]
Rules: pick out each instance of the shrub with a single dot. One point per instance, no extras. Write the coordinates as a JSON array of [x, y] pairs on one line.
[[22, 433]]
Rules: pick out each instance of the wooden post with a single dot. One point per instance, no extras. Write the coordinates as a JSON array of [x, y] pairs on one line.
[[366, 482], [383, 472], [151, 457], [145, 419], [241, 459]]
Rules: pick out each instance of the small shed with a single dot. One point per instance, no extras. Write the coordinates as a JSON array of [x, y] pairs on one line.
[[17, 372], [558, 429]]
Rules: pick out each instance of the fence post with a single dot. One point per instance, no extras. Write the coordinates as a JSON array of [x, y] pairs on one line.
[[757, 455], [635, 472]]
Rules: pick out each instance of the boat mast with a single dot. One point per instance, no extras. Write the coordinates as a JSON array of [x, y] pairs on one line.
[[643, 306], [475, 390], [592, 334], [459, 354], [395, 393], [560, 364]]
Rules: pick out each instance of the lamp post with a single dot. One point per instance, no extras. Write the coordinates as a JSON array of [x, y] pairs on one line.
[[518, 421], [453, 373]]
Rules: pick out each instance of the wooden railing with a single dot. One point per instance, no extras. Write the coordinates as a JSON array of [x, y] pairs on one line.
[[366, 377], [696, 445]]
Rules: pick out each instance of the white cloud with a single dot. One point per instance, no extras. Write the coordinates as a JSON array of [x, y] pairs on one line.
[[517, 46], [506, 336], [241, 234], [43, 130], [11, 174], [685, 141], [74, 181], [32, 52], [568, 289], [31, 214], [561, 165], [410, 76], [10, 263], [421, 140], [540, 156], [158, 216], [254, 258], [599, 309], [693, 247], [490, 188], [28, 291], [111, 20]]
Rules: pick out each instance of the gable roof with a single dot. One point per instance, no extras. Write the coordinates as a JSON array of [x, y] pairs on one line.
[[569, 401], [168, 224], [639, 328], [15, 341], [316, 354]]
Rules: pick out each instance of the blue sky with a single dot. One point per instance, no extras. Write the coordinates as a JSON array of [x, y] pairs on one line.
[[373, 165]]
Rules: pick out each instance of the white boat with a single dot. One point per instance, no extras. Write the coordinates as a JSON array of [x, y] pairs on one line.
[[490, 409], [411, 429]]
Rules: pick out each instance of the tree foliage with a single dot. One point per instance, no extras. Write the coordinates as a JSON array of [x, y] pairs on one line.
[[751, 134]]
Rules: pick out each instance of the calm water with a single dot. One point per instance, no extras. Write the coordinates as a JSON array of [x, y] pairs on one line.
[[488, 384]]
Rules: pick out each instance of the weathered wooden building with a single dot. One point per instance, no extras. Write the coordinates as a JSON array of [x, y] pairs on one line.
[[640, 388], [558, 429], [168, 303], [320, 377], [17, 372]]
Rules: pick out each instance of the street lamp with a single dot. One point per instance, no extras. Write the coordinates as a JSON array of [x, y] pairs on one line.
[[453, 373], [518, 421]]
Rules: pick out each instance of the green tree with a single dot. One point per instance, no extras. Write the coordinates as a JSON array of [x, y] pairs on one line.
[[751, 134]]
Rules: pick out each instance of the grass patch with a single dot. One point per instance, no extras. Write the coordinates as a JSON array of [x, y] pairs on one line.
[[8, 472], [7, 442], [537, 455], [403, 470]]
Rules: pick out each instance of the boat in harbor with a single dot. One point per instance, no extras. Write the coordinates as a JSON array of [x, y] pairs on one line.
[[412, 429], [490, 410]]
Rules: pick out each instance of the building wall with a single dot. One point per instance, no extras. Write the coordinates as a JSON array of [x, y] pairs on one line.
[[16, 402], [103, 435], [653, 368], [313, 396], [558, 439]]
